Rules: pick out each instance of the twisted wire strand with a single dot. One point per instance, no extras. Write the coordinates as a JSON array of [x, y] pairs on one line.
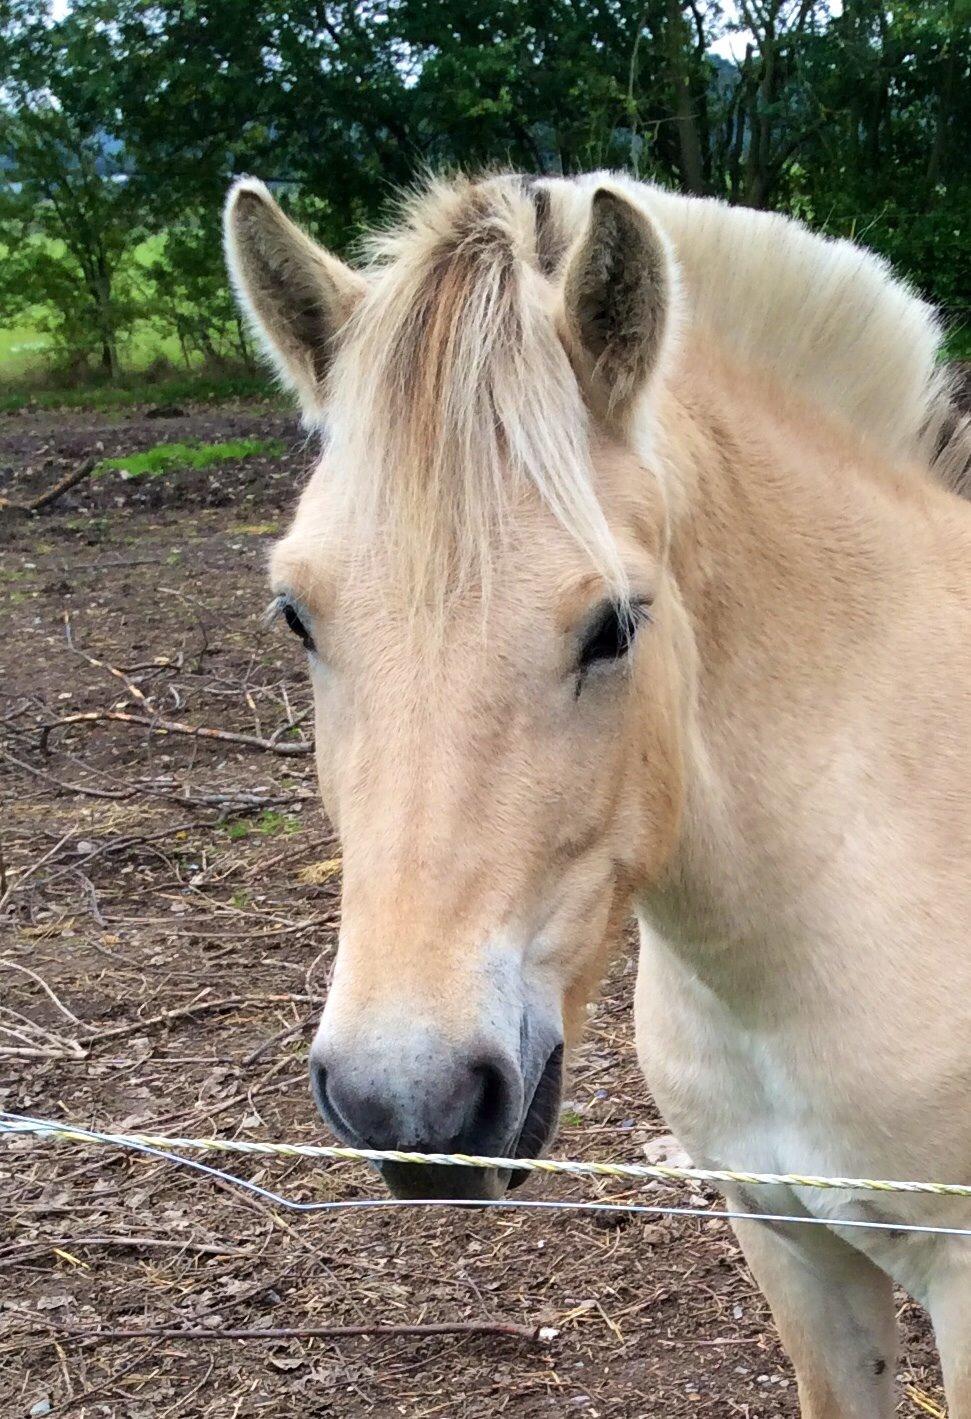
[[13, 1124], [641, 1171]]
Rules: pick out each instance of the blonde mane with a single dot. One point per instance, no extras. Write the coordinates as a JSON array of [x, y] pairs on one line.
[[452, 395], [826, 318]]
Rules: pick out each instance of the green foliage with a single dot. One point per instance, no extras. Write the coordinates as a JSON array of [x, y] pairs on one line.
[[122, 121], [196, 386], [269, 824], [69, 221], [166, 457], [188, 295]]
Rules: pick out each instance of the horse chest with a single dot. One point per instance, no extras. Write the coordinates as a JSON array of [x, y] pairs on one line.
[[739, 1092]]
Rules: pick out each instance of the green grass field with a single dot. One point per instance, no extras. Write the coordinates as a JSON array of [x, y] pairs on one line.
[[26, 351], [21, 347], [154, 370]]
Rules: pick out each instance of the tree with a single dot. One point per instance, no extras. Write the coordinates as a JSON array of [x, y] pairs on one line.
[[129, 117], [70, 218]]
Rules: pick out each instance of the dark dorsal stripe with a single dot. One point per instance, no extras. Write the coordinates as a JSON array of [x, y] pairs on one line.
[[550, 245]]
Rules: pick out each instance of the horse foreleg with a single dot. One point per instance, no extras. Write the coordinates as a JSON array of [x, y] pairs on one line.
[[949, 1303], [834, 1311]]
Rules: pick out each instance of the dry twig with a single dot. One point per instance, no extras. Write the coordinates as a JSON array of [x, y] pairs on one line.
[[170, 726], [84, 470], [535, 1333]]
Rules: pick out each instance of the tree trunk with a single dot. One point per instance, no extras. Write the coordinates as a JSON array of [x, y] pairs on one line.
[[743, 113], [945, 103], [106, 325], [690, 162], [758, 169]]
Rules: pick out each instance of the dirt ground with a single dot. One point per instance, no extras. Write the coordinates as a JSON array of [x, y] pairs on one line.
[[163, 960]]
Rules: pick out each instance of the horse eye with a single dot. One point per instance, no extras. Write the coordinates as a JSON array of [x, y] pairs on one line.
[[611, 634], [292, 618]]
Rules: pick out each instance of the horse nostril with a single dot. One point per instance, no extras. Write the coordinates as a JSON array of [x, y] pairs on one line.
[[326, 1106], [488, 1119], [318, 1087]]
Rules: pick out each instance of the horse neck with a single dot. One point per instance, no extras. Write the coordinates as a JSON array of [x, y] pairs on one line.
[[791, 551]]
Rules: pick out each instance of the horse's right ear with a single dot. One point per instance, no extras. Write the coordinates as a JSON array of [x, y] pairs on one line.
[[295, 295], [618, 293]]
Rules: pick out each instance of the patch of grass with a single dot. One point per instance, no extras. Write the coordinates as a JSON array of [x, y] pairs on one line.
[[270, 823], [200, 386], [166, 457], [255, 529], [19, 344]]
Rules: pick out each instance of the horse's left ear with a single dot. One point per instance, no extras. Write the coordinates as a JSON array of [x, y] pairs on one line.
[[296, 295], [617, 297]]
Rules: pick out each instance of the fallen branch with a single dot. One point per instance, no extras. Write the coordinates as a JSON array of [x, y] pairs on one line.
[[239, 800], [230, 1002], [541, 1334], [73, 1049], [128, 683], [69, 787], [122, 845], [39, 980], [171, 726], [35, 867], [287, 1033], [83, 471], [33, 1245], [18, 1052]]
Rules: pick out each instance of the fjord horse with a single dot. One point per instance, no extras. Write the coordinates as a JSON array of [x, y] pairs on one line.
[[631, 581]]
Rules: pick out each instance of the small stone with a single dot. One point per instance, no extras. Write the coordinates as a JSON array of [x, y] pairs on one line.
[[43, 1406]]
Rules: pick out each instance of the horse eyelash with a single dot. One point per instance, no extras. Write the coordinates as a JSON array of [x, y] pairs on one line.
[[273, 612], [283, 606], [635, 614]]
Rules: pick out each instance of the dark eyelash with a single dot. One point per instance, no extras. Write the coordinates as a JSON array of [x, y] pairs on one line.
[[611, 634], [291, 615]]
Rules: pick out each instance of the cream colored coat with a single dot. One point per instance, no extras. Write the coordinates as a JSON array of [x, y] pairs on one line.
[[543, 397]]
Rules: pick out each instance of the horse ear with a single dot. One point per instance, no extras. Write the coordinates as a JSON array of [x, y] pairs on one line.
[[617, 297], [295, 295]]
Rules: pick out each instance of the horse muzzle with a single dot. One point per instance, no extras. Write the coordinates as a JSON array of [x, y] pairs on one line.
[[435, 1099]]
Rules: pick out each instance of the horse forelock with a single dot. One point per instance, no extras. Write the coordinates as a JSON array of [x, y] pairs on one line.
[[452, 397]]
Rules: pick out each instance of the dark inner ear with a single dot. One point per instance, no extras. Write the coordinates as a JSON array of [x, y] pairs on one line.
[[616, 296], [611, 289], [615, 307], [306, 316], [281, 285]]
